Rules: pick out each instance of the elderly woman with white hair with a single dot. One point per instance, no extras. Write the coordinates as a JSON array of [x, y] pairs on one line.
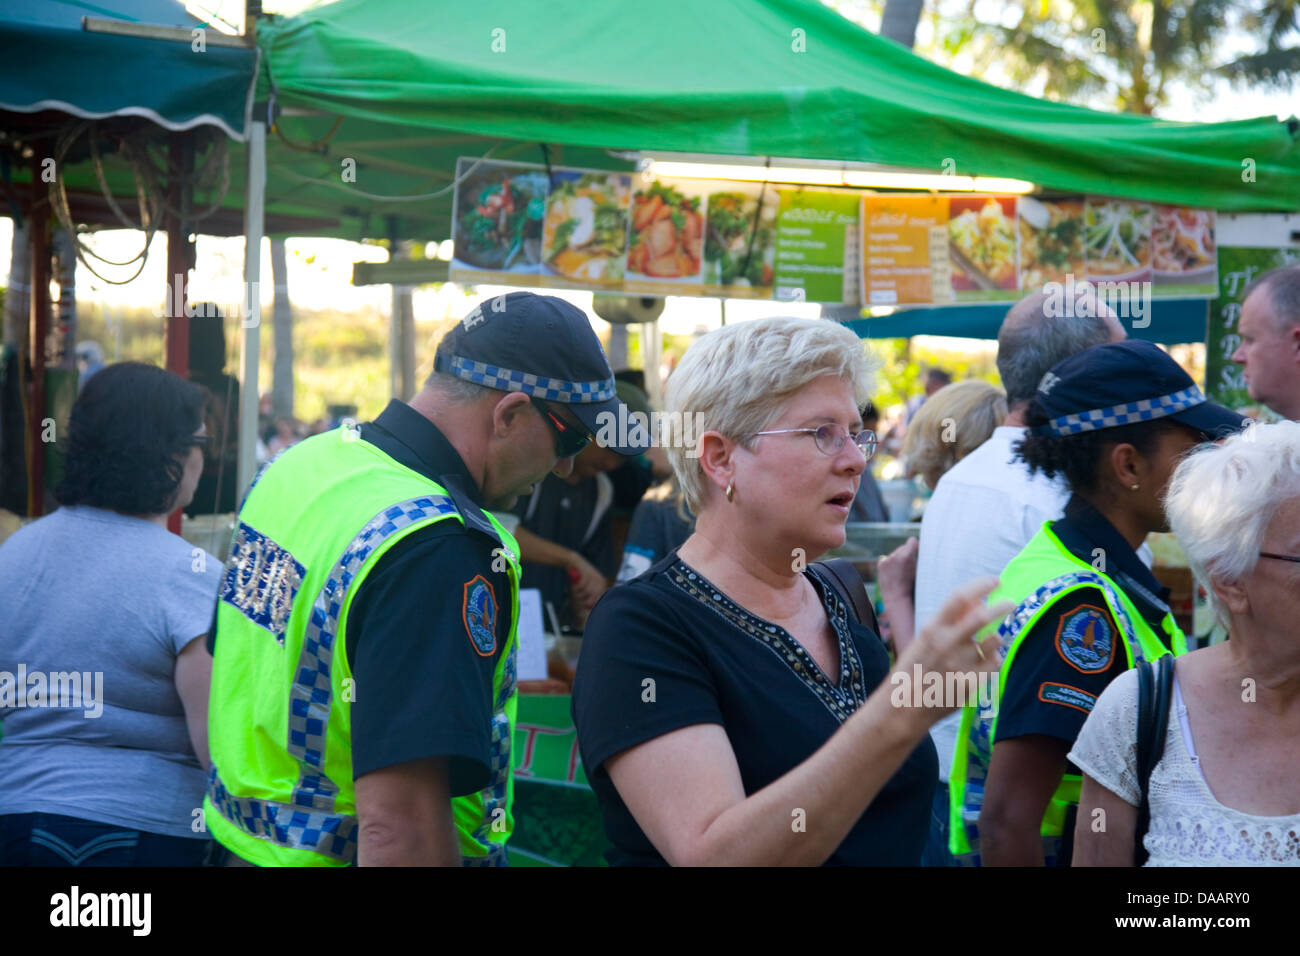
[[1227, 789], [730, 708]]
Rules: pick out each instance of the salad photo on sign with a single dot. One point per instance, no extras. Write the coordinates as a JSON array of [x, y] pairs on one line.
[[982, 245], [1183, 252], [1117, 240], [1051, 242], [739, 252], [585, 234], [497, 216], [667, 235]]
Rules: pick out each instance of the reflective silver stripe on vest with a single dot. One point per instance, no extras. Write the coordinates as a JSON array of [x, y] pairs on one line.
[[329, 834], [312, 693]]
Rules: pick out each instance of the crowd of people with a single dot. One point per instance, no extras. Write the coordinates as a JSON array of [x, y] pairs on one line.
[[343, 690]]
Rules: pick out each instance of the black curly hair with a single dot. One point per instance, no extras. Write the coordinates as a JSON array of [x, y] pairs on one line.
[[1078, 456], [130, 431]]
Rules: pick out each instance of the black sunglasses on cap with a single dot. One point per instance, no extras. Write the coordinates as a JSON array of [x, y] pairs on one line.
[[569, 439]]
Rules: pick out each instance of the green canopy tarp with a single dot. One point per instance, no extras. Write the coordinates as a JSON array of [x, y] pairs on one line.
[[419, 84], [51, 62]]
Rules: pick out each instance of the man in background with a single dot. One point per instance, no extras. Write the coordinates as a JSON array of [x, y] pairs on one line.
[[1269, 353]]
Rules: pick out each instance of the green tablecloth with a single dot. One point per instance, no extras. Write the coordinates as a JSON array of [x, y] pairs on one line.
[[557, 821]]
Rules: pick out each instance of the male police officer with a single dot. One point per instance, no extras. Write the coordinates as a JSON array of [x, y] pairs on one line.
[[363, 680]]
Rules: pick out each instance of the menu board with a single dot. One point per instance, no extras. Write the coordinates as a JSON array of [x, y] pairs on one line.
[[497, 214], [584, 230], [904, 249], [816, 235], [1224, 382], [981, 241], [522, 224], [740, 241], [666, 239]]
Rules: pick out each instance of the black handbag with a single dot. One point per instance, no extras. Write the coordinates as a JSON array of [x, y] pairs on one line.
[[1155, 686], [848, 584]]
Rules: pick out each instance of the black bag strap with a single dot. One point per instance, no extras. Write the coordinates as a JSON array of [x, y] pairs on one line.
[[1155, 686], [848, 584]]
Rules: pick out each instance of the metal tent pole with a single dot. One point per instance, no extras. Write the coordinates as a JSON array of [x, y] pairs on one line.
[[251, 320]]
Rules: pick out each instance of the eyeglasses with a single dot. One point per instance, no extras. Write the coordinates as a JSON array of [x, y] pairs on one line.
[[569, 440], [1280, 557], [203, 441], [831, 437]]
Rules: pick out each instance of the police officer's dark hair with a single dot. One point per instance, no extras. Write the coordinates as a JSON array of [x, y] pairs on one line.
[[129, 433], [1079, 456]]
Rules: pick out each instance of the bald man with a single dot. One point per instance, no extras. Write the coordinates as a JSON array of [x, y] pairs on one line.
[[1269, 353], [988, 506]]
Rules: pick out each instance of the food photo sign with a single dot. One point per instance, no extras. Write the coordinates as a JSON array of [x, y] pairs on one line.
[[522, 224]]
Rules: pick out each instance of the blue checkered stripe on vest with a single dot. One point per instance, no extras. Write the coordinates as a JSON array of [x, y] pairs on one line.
[[311, 694], [979, 743], [508, 380], [308, 818], [1128, 413], [329, 834], [499, 768]]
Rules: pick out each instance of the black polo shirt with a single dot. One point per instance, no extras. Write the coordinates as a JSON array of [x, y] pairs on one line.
[[668, 650], [1074, 650], [562, 513], [423, 683]]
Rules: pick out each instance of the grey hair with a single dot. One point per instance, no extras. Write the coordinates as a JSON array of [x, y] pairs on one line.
[[1222, 498], [738, 378], [455, 390], [1032, 340], [1283, 289]]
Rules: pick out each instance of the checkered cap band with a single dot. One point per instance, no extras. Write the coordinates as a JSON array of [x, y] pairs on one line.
[[1128, 413], [508, 380]]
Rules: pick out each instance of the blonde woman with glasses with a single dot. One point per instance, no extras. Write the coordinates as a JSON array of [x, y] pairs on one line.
[[730, 708]]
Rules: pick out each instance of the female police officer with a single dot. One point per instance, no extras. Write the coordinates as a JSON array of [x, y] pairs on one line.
[[1114, 420]]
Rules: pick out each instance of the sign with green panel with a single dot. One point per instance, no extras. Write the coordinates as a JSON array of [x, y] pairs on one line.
[[816, 237], [1237, 268]]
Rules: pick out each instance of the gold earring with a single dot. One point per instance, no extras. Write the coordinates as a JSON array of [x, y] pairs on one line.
[[731, 491]]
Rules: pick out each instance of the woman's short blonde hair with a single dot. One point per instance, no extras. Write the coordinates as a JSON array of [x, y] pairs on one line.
[[952, 423], [737, 379]]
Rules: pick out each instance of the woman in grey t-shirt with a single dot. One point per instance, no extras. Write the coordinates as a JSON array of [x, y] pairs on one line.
[[103, 676]]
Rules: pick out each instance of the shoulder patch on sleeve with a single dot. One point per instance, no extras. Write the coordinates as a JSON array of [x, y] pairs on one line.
[[479, 611], [1085, 639], [1052, 693]]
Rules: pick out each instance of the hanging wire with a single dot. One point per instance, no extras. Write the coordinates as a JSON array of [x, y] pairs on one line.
[[63, 212], [150, 180], [316, 147]]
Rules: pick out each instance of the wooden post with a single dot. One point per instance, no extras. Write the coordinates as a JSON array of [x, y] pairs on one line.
[[39, 245], [176, 330]]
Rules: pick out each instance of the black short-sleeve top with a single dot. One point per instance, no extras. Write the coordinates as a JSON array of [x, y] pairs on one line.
[[669, 650]]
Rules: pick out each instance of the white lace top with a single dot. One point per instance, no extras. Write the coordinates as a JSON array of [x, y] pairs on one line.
[[1189, 827]]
